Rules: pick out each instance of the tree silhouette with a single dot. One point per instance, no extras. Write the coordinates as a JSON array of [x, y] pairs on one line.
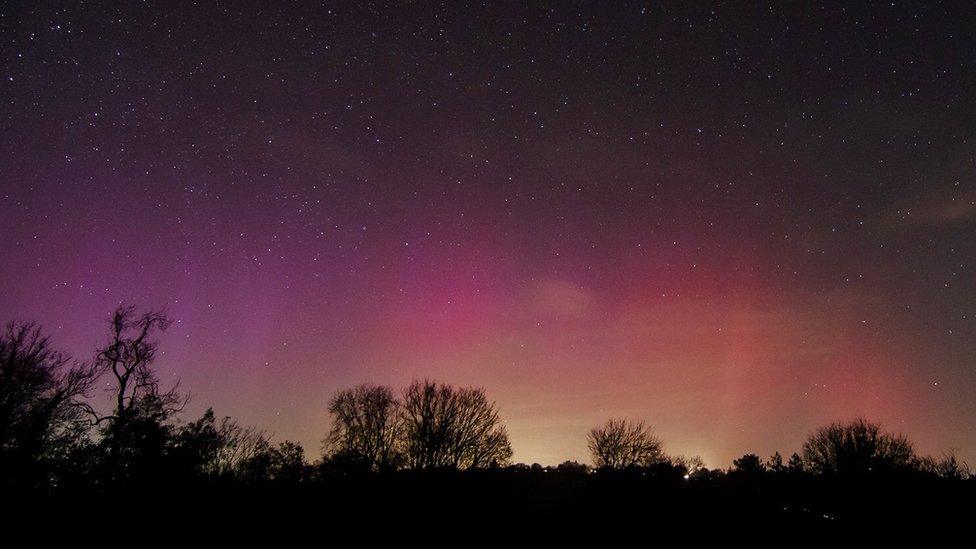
[[749, 464], [365, 427], [619, 444], [239, 445], [691, 464], [284, 463], [144, 452], [857, 448], [129, 356], [572, 468], [41, 401], [795, 465], [196, 446], [947, 467], [135, 432], [447, 427], [208, 447]]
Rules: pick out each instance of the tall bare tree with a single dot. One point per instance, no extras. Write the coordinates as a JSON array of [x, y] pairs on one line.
[[136, 432], [129, 357], [619, 444], [41, 397], [857, 447], [448, 427], [365, 426]]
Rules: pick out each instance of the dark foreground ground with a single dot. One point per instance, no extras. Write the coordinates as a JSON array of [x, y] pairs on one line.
[[459, 508]]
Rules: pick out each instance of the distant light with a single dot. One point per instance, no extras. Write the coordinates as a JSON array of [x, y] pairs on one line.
[[687, 477]]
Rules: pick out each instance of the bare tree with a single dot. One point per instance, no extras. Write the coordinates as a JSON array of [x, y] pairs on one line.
[[857, 447], [448, 427], [41, 396], [239, 445], [692, 464], [619, 444], [136, 432], [365, 426], [129, 356]]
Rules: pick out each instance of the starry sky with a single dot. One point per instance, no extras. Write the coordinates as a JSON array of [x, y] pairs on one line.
[[735, 222]]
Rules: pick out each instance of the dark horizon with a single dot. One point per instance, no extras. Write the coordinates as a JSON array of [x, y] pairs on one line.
[[431, 455], [54, 406]]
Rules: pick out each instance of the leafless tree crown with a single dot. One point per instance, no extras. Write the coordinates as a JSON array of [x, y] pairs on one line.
[[365, 426], [856, 447], [41, 390], [433, 426], [445, 426], [128, 357], [619, 444]]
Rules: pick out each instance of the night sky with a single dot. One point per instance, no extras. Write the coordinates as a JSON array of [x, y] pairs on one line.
[[736, 223]]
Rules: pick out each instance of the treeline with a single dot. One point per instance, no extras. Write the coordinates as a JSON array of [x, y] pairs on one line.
[[53, 436]]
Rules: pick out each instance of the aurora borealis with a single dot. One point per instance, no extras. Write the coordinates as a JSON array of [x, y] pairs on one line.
[[735, 223]]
